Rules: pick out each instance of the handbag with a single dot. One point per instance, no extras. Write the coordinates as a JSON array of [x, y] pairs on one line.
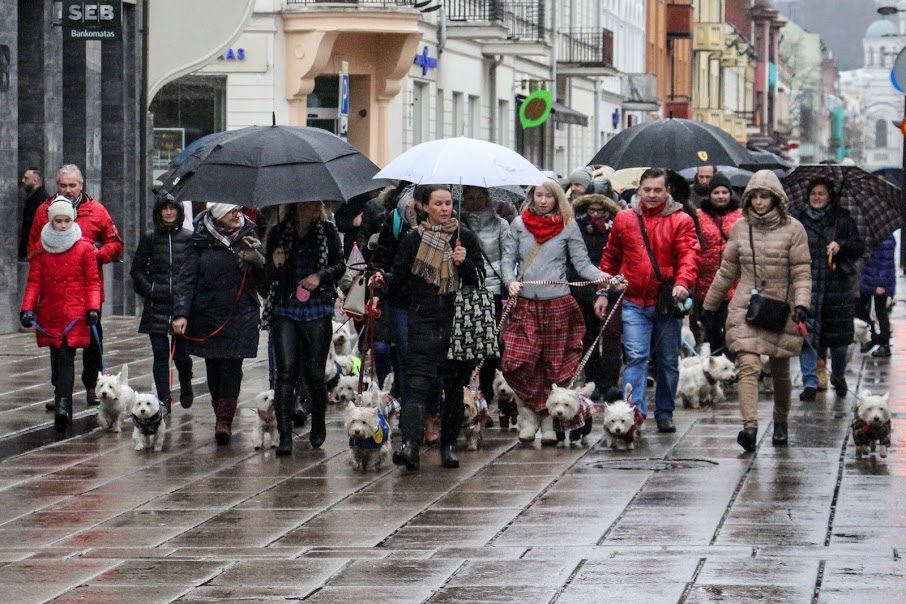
[[473, 335], [356, 297], [767, 313], [666, 305]]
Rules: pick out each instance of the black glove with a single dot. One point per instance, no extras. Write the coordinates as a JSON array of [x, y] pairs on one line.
[[800, 314], [707, 319], [27, 318], [92, 317]]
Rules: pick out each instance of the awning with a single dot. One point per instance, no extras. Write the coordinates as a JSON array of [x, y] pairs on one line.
[[561, 114]]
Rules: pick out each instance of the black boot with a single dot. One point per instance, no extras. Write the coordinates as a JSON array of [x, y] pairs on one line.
[[748, 439], [781, 433], [51, 405], [318, 433], [448, 457], [62, 415], [284, 427], [186, 394], [407, 455]]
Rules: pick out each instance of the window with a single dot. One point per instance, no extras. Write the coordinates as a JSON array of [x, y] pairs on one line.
[[474, 116], [457, 114], [880, 133], [419, 111]]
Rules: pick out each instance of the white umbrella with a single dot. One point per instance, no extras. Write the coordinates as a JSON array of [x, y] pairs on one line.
[[463, 161]]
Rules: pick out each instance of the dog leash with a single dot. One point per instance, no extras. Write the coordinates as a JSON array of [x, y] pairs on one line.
[[97, 338], [591, 348], [62, 335]]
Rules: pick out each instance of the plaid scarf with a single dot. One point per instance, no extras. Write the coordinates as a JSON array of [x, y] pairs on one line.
[[288, 239], [434, 259]]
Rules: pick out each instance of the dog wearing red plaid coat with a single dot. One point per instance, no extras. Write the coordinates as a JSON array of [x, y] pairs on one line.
[[571, 411], [622, 422]]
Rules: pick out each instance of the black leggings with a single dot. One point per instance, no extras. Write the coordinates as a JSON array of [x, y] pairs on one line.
[[91, 362], [224, 378], [160, 348], [300, 348], [863, 311], [63, 370]]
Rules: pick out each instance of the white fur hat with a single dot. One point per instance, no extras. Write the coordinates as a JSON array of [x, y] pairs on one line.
[[60, 206], [219, 210]]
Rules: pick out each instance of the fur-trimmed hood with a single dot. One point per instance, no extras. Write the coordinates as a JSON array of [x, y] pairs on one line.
[[582, 202]]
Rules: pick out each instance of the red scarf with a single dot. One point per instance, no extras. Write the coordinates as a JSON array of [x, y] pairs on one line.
[[543, 228]]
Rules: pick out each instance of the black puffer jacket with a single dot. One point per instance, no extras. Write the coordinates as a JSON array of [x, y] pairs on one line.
[[832, 312], [207, 291], [155, 269]]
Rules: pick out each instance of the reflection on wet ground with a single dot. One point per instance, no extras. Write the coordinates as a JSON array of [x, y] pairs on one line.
[[685, 517]]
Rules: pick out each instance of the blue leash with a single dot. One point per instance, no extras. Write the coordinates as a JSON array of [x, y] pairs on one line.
[[97, 338], [60, 337]]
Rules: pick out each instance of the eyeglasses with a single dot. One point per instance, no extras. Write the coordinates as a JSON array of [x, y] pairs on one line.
[[596, 211]]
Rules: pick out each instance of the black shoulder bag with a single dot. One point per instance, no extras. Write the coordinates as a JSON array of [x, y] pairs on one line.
[[767, 313], [665, 303]]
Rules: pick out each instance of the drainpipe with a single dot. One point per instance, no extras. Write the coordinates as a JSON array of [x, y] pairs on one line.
[[551, 143], [492, 84], [599, 25]]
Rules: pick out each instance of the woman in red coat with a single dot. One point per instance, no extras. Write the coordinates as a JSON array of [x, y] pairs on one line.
[[64, 290], [717, 215]]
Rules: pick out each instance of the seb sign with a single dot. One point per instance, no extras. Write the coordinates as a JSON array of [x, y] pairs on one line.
[[92, 20]]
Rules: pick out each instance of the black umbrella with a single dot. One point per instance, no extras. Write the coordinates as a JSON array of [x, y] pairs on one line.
[[183, 165], [673, 144], [874, 203], [765, 160], [270, 165]]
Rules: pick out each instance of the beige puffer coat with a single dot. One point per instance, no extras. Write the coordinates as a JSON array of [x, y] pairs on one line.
[[784, 272]]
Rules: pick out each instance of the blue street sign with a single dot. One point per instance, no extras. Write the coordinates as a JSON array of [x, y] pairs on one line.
[[344, 93]]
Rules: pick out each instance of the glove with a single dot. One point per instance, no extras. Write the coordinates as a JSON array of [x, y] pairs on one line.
[[92, 317], [27, 318], [251, 242], [707, 318], [800, 314]]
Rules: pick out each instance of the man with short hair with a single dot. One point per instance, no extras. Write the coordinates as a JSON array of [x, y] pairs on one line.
[[35, 195], [701, 185], [579, 180], [98, 227], [671, 237]]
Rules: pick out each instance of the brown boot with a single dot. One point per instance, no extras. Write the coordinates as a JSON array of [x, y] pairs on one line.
[[186, 396], [224, 410], [91, 398], [432, 429]]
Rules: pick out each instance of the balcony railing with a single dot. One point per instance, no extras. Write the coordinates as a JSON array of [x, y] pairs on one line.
[[525, 20], [470, 11], [587, 48]]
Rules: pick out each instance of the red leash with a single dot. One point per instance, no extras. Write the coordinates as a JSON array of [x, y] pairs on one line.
[[245, 274]]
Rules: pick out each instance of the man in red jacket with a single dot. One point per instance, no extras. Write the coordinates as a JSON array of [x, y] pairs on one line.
[[674, 246], [97, 227]]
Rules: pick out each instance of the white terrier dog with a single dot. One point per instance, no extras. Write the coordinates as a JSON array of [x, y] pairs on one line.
[[622, 422], [115, 399], [571, 411], [379, 397], [346, 390], [700, 378], [369, 437], [476, 411], [871, 423], [150, 425], [345, 338], [505, 399], [265, 420]]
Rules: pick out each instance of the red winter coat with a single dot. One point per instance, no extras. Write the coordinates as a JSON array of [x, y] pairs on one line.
[[673, 241], [63, 287], [97, 227], [713, 244]]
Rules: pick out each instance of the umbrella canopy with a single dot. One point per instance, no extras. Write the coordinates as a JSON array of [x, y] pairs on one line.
[[736, 175], [674, 144], [765, 160], [184, 164], [464, 161], [627, 178], [874, 204], [270, 165]]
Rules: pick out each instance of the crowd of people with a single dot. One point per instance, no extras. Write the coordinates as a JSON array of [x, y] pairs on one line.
[[545, 260]]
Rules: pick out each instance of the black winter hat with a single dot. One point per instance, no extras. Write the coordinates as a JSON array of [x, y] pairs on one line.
[[719, 180]]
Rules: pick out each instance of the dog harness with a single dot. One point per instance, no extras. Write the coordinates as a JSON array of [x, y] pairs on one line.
[[149, 426], [376, 440], [711, 379], [482, 406], [865, 433], [332, 382], [587, 408]]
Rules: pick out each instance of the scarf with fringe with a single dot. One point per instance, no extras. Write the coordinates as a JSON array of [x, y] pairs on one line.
[[57, 242], [434, 259]]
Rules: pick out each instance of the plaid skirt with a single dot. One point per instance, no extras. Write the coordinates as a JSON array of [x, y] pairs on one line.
[[542, 345]]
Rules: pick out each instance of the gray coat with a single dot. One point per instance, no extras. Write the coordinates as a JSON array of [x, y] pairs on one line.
[[550, 261], [491, 231]]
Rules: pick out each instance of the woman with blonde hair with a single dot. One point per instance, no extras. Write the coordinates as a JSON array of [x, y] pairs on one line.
[[543, 338]]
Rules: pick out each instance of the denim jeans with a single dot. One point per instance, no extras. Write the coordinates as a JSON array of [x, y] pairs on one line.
[[640, 325], [808, 363]]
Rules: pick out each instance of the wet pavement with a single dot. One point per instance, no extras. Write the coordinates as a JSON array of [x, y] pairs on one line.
[[686, 517]]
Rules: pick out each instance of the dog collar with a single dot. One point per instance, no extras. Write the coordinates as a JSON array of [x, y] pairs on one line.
[[149, 426], [376, 440], [711, 379], [631, 434]]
